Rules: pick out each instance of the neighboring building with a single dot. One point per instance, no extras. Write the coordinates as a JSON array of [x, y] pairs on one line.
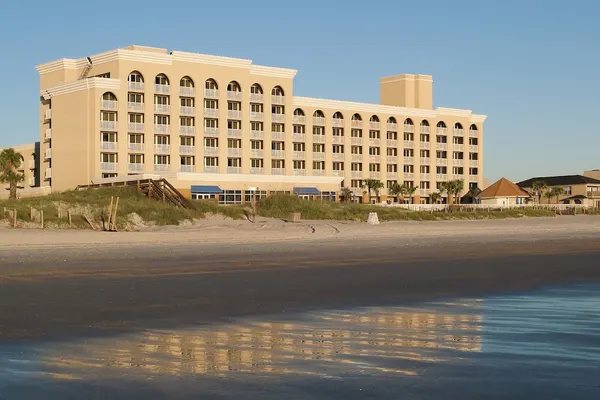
[[594, 173], [222, 124], [504, 193], [29, 168], [578, 189]]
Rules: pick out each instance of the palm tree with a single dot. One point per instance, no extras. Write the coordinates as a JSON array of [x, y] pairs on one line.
[[474, 194], [457, 187], [10, 161], [346, 194], [373, 184], [398, 190], [410, 191], [557, 192], [445, 188], [539, 187], [435, 197], [549, 195]]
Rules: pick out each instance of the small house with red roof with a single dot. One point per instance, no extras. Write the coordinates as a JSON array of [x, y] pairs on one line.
[[504, 193]]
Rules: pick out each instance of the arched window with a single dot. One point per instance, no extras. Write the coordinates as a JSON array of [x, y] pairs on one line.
[[441, 124], [473, 127], [356, 117], [161, 79], [424, 123], [109, 101], [211, 84], [319, 114], [408, 121], [135, 76], [186, 82], [374, 118], [234, 87], [319, 120], [458, 125], [391, 120], [277, 91], [298, 111], [256, 89], [109, 96], [338, 115]]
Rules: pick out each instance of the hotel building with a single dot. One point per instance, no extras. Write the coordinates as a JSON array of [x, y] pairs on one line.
[[218, 126]]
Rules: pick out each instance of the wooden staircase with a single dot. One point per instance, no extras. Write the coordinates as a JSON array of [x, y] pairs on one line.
[[157, 189]]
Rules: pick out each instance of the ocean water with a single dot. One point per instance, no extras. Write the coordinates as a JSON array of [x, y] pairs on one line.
[[544, 344]]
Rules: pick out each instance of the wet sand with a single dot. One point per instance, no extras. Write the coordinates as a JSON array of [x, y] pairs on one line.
[[62, 289]]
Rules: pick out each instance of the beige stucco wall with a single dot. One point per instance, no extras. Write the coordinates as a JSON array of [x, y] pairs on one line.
[[29, 165]]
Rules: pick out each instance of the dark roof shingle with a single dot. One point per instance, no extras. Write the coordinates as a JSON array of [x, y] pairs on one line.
[[560, 180]]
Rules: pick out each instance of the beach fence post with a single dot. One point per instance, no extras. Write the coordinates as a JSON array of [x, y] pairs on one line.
[[15, 218], [42, 218], [69, 217]]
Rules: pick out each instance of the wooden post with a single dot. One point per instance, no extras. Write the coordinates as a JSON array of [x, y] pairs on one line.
[[42, 218], [69, 216], [31, 213], [163, 190], [114, 221], [110, 211], [15, 218]]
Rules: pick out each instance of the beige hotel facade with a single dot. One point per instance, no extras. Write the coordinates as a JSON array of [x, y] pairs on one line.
[[216, 125]]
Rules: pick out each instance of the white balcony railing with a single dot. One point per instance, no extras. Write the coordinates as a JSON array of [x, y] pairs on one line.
[[374, 175], [441, 131], [257, 153], [356, 158], [299, 137], [231, 95], [109, 166], [234, 114], [48, 173], [337, 123], [186, 110], [318, 138], [425, 130], [441, 161], [441, 146], [392, 126], [298, 155], [162, 148], [257, 116], [234, 133], [458, 163], [356, 174], [318, 156], [319, 121], [299, 172], [256, 97], [257, 135], [135, 147], [374, 159], [473, 178], [162, 128], [108, 146], [473, 133], [211, 112], [277, 135], [135, 86], [392, 159], [162, 108], [409, 160], [425, 176], [162, 167], [278, 118], [473, 148], [108, 125], [211, 169], [187, 150], [48, 154], [48, 134], [356, 140], [279, 100], [409, 144], [133, 106], [211, 151], [48, 114], [165, 89], [355, 123], [409, 128], [278, 153], [392, 143], [425, 161], [234, 170], [318, 172], [257, 171], [392, 175], [211, 93], [337, 140], [187, 130], [441, 177], [337, 157], [188, 168], [374, 125], [375, 142], [409, 175], [234, 152], [458, 147], [278, 171], [109, 105], [425, 145], [299, 119], [337, 173], [458, 132], [211, 132], [135, 127], [137, 167], [424, 192], [187, 91], [473, 163]]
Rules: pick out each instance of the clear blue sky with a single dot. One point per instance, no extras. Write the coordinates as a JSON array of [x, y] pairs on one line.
[[530, 65]]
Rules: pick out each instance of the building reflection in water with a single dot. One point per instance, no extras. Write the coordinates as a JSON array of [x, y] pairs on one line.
[[376, 340]]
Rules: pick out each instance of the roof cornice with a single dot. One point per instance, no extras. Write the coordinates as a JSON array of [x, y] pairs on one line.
[[84, 84]]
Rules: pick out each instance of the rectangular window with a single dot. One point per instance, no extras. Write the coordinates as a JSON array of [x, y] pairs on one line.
[[162, 120], [356, 183], [424, 138], [187, 121], [256, 108], [108, 157], [441, 139], [136, 138], [211, 142], [278, 146], [211, 123], [162, 139], [318, 130], [392, 136], [256, 126], [162, 100], [256, 145], [392, 152], [356, 150], [318, 148], [187, 141], [300, 129], [234, 124], [277, 163], [135, 98], [338, 166], [424, 153], [374, 151], [458, 140], [136, 159], [357, 133], [392, 168], [299, 164], [211, 161], [409, 169], [338, 132], [257, 163], [187, 160], [186, 102], [457, 155], [108, 137], [162, 160], [319, 165], [374, 135], [356, 167], [441, 170], [425, 169], [234, 162], [374, 167], [211, 104], [299, 146], [338, 149], [457, 170], [277, 128], [441, 154], [108, 116]]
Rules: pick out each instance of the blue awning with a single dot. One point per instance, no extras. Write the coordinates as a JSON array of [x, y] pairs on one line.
[[307, 191], [207, 189]]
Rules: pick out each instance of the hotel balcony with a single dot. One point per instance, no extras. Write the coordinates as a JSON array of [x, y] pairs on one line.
[[374, 159], [259, 135], [441, 131], [458, 162], [48, 134], [392, 175], [48, 173], [234, 152], [458, 177], [409, 144], [593, 193], [211, 112], [375, 142], [318, 138], [298, 155], [441, 177], [277, 153], [211, 151], [441, 161], [108, 125], [318, 172], [409, 128], [234, 133], [356, 140], [135, 86], [424, 176], [211, 93], [256, 98], [356, 174], [409, 175], [356, 124], [392, 126], [109, 105], [409, 160], [162, 148], [473, 163], [337, 139], [211, 132], [298, 172], [162, 167], [318, 156], [458, 132], [188, 168], [473, 133], [458, 147], [48, 115], [234, 114], [356, 158], [185, 110], [235, 96], [48, 154], [424, 192], [392, 143], [277, 136], [374, 125], [338, 157], [280, 118], [425, 161], [473, 178], [299, 137], [109, 166], [473, 148], [425, 145], [441, 146], [211, 169], [187, 91], [108, 146], [163, 89], [257, 171], [135, 127], [392, 159], [374, 175], [299, 119], [278, 171], [138, 167], [133, 106], [162, 108], [337, 123], [425, 130], [319, 121], [257, 116], [187, 130], [278, 100], [162, 128], [257, 153], [337, 173], [187, 150], [135, 147]]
